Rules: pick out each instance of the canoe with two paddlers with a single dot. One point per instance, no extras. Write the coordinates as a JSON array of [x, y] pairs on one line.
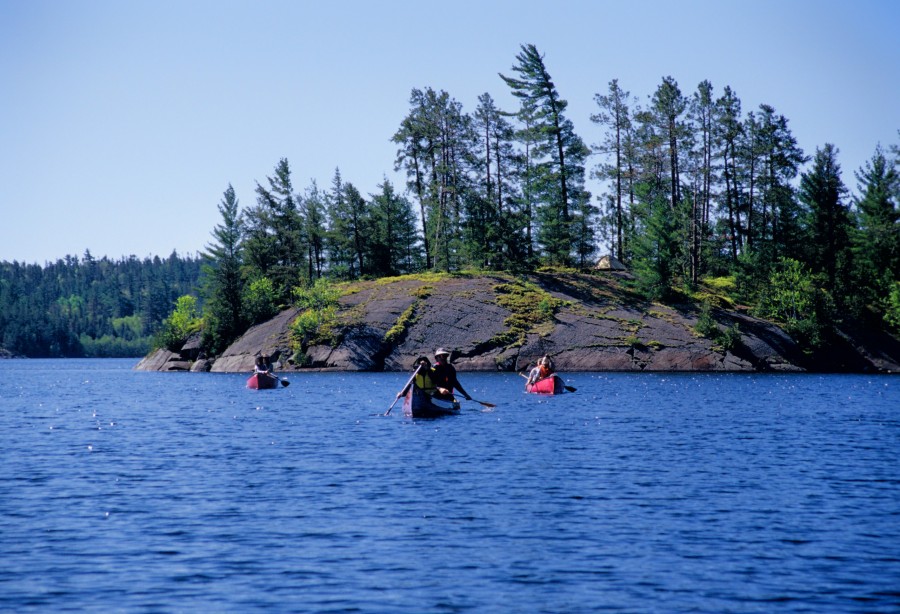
[[549, 385], [417, 404], [262, 381]]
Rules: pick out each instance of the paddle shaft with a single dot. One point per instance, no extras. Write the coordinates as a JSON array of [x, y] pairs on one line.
[[415, 373]]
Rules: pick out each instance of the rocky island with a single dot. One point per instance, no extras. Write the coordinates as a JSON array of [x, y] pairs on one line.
[[585, 321]]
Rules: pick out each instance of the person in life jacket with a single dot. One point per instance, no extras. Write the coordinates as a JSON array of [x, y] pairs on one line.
[[543, 370], [424, 378], [444, 375]]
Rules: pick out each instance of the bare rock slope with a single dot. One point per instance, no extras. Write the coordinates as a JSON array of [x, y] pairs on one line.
[[499, 322]]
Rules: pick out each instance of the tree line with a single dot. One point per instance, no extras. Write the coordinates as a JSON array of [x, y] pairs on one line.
[[694, 191], [85, 307]]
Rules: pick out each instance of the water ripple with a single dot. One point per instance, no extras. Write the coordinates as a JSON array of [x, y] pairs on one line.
[[640, 493]]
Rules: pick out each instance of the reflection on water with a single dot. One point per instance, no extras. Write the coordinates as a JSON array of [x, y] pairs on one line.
[[708, 493]]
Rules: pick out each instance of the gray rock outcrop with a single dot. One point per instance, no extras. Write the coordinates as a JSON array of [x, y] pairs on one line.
[[596, 325]]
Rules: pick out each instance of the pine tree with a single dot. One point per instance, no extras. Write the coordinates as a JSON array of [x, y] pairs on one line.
[[275, 241], [876, 243], [495, 229], [416, 140], [338, 238], [312, 212], [828, 219], [664, 253], [668, 106], [562, 153], [393, 241], [436, 139], [358, 225], [728, 132], [528, 174], [223, 284], [702, 115], [615, 114], [773, 216]]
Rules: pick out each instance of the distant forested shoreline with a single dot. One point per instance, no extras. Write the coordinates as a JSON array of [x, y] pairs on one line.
[[85, 307], [699, 199]]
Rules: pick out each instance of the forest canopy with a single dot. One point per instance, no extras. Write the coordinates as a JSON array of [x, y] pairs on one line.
[[78, 307]]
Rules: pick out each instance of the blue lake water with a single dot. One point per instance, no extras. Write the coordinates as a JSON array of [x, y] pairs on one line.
[[165, 492]]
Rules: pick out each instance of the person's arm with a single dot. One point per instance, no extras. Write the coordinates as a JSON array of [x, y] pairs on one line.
[[459, 387]]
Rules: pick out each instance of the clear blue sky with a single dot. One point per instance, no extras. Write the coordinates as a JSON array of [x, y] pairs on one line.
[[122, 122]]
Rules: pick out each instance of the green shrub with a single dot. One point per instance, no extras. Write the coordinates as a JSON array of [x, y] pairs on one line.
[[260, 300], [319, 296], [707, 327], [633, 341], [317, 323], [795, 298], [892, 307], [181, 324]]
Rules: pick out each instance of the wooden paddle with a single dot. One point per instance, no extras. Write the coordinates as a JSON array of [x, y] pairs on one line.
[[415, 373], [568, 388]]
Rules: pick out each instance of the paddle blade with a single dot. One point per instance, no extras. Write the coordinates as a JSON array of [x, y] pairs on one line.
[[485, 404], [285, 383], [570, 388]]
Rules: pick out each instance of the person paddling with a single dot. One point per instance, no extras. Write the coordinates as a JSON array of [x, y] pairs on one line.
[[262, 365], [543, 370], [423, 379], [444, 376]]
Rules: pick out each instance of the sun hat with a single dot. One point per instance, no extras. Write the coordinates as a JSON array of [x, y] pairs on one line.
[[441, 351]]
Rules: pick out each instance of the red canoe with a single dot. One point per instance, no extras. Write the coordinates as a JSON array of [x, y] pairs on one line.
[[548, 385], [417, 404], [261, 381]]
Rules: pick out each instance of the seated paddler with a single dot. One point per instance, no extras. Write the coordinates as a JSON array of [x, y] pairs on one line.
[[444, 376], [423, 379], [543, 370]]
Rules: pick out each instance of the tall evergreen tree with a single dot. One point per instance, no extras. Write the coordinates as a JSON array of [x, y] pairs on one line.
[[668, 106], [435, 139], [563, 151], [528, 173], [876, 242], [828, 235], [339, 236], [223, 284], [415, 139], [275, 240], [494, 223], [358, 225], [702, 115], [776, 162], [312, 212], [393, 242], [663, 140], [728, 131], [615, 114]]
